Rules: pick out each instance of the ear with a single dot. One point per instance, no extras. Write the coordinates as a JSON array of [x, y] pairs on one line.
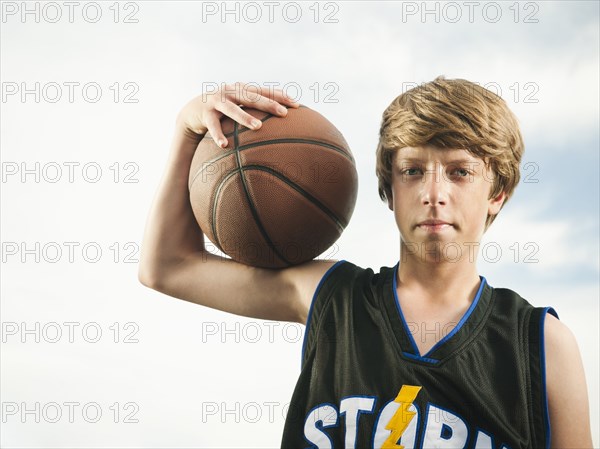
[[495, 204]]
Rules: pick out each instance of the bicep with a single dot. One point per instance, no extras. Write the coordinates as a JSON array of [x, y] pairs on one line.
[[568, 404], [224, 284]]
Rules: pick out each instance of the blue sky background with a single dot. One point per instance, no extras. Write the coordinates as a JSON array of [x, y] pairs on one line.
[[178, 370]]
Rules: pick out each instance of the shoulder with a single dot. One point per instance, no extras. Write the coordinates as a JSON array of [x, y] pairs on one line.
[[340, 282], [561, 351], [558, 337], [566, 387], [343, 272], [348, 279], [339, 278], [509, 305], [317, 278], [345, 290]]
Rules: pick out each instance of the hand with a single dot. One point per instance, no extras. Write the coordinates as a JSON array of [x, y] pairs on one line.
[[203, 113]]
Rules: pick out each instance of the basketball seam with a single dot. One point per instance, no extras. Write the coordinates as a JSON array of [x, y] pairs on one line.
[[283, 178], [253, 210], [298, 140], [259, 224], [214, 211], [268, 142], [300, 190]]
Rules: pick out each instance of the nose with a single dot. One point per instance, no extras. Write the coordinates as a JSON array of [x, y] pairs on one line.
[[434, 187]]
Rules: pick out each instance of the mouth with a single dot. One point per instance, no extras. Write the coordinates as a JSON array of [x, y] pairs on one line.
[[434, 225]]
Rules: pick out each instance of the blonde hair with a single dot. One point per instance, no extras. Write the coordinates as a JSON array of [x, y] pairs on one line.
[[453, 113]]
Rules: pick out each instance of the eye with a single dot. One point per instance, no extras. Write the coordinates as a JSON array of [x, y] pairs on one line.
[[410, 171], [462, 172]]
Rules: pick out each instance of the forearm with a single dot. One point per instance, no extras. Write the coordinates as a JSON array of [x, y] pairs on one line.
[[172, 231]]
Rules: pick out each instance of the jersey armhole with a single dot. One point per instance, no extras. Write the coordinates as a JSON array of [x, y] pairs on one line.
[[310, 318]]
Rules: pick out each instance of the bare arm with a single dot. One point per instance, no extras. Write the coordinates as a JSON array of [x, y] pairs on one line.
[[174, 259], [566, 388]]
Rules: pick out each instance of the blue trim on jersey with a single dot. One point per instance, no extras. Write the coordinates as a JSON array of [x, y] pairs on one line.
[[406, 329], [417, 355], [331, 268], [543, 369], [422, 359], [463, 319]]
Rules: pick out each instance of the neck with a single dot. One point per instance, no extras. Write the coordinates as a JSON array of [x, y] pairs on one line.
[[437, 281]]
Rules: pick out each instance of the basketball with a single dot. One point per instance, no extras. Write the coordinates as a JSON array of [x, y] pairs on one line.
[[277, 196]]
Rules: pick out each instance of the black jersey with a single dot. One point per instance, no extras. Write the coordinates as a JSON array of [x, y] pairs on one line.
[[363, 383]]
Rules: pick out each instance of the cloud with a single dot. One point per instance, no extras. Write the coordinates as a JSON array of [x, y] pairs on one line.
[[547, 246]]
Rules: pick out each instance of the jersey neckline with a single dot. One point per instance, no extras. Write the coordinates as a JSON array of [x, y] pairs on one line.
[[459, 336]]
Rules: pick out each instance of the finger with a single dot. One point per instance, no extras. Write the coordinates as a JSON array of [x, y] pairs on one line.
[[213, 124], [277, 95], [265, 98], [283, 98], [236, 113], [280, 97], [257, 101]]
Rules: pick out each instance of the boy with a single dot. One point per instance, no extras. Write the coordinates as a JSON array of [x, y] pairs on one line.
[[494, 372]]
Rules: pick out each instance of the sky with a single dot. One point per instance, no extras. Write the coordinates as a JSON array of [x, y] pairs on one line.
[[92, 358]]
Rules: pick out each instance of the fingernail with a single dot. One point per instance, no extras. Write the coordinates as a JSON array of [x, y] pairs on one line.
[[255, 123], [281, 110], [222, 143]]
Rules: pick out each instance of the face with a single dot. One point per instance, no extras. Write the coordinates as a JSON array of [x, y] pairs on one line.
[[450, 187]]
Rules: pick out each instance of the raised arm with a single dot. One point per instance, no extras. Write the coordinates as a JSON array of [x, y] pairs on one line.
[[174, 259]]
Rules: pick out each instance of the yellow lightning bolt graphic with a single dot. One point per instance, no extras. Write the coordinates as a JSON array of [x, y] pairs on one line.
[[402, 417]]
